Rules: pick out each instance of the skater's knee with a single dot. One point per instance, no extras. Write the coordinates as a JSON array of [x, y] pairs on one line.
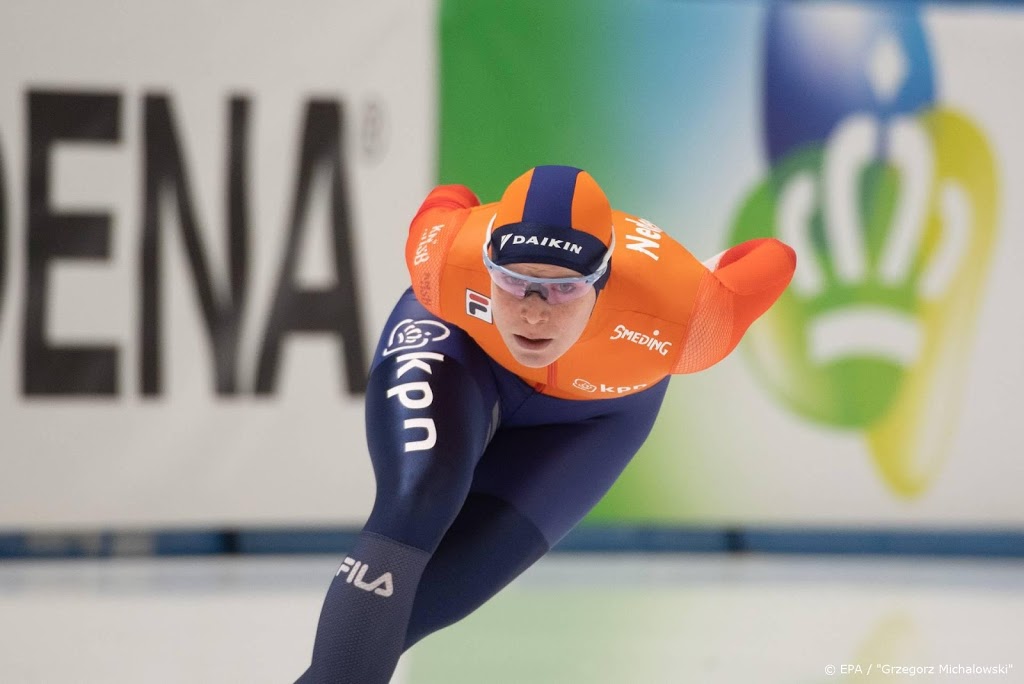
[[419, 514]]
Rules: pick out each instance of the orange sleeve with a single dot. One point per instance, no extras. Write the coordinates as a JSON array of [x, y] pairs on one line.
[[431, 234], [447, 197], [747, 280]]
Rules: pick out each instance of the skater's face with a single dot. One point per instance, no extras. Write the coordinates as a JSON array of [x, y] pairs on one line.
[[536, 331]]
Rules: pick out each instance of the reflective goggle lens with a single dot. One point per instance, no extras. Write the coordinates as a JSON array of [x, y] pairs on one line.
[[556, 291], [553, 290]]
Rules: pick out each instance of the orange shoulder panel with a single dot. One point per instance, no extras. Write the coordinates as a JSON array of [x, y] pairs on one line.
[[431, 234], [636, 331]]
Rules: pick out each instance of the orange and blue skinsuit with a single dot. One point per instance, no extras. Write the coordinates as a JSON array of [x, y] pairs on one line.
[[662, 311], [483, 464]]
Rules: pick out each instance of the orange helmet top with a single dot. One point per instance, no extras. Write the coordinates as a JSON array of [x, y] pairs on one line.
[[553, 215]]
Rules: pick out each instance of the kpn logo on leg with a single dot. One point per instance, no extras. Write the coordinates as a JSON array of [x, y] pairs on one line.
[[890, 200]]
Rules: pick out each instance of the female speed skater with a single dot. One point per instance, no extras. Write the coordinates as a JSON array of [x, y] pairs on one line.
[[512, 384]]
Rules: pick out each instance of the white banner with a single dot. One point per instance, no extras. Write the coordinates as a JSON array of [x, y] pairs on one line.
[[203, 210], [195, 197]]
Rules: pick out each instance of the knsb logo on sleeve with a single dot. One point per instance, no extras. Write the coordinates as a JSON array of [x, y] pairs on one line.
[[889, 198], [428, 238]]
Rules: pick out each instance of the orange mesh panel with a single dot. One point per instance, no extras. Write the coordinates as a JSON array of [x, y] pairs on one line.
[[709, 337], [430, 239], [749, 278]]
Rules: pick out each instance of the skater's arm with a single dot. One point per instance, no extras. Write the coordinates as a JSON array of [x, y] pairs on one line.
[[431, 234], [739, 285]]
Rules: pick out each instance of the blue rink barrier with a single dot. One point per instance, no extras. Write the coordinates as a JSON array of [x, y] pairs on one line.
[[584, 539], [108, 544]]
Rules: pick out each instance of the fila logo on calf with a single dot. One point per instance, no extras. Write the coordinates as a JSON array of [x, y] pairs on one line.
[[382, 586]]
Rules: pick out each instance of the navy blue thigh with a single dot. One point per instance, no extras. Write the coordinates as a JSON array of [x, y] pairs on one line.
[[536, 480], [553, 460], [431, 405]]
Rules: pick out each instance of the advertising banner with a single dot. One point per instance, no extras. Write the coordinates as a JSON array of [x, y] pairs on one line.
[[204, 213], [880, 140]]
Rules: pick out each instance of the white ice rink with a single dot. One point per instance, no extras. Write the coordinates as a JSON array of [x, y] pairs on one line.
[[590, 619]]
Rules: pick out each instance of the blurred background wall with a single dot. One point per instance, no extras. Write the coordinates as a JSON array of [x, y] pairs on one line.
[[203, 211]]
